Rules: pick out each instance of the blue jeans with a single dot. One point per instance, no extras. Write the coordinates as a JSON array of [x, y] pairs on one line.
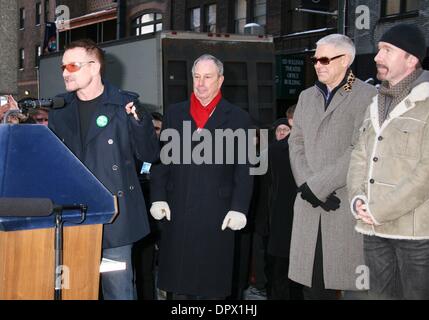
[[119, 285], [398, 269]]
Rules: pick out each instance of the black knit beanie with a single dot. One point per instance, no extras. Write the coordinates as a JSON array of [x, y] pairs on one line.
[[407, 37], [279, 122]]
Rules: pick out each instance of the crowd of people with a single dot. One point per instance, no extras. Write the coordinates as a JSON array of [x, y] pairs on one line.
[[345, 187]]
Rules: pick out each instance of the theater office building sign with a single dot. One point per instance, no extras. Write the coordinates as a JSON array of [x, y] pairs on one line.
[[290, 76]]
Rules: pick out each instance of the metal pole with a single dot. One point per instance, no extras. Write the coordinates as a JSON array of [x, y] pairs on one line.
[[57, 37], [316, 11], [341, 16], [38, 79], [58, 255], [121, 17], [59, 224]]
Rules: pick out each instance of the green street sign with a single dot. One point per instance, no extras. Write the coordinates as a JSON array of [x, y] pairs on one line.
[[290, 75]]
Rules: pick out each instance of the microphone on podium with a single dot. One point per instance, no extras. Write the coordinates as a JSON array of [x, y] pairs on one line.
[[54, 103], [25, 207]]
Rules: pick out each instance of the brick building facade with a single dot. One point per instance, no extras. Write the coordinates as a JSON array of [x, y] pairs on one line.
[[381, 18], [31, 16], [295, 32], [9, 45]]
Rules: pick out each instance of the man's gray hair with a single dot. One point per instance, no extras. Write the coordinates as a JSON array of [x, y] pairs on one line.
[[216, 61], [339, 41]]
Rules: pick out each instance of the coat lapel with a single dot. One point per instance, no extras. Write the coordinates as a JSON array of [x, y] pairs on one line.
[[186, 115], [103, 110], [373, 110], [219, 116], [72, 132], [419, 93], [336, 101], [319, 107], [111, 103]]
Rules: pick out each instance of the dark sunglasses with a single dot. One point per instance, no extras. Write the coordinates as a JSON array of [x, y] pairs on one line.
[[74, 66], [41, 119], [324, 60]]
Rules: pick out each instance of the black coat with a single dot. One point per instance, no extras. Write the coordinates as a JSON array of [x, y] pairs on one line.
[[282, 193], [196, 256], [108, 153]]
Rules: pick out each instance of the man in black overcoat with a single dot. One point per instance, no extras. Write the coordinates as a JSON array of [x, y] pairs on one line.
[[100, 125], [202, 202]]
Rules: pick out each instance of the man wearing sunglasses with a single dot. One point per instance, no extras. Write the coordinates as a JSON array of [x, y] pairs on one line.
[[389, 170], [99, 123], [325, 250]]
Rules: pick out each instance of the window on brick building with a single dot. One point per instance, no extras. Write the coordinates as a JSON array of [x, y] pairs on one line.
[[260, 12], [195, 22], [46, 10], [38, 13], [21, 58], [21, 18], [210, 18], [147, 23], [240, 15], [37, 54], [398, 7]]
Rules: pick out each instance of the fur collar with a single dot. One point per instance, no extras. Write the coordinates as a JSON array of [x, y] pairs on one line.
[[419, 93]]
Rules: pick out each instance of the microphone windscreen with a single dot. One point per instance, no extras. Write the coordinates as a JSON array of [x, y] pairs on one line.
[[25, 207], [58, 102]]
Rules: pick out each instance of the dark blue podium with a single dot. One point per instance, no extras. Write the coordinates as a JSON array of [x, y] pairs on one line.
[[34, 163]]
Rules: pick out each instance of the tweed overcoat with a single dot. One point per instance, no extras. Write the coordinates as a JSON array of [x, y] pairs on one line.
[[320, 146]]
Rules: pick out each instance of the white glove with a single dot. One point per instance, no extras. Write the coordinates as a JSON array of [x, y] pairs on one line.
[[234, 220], [160, 210]]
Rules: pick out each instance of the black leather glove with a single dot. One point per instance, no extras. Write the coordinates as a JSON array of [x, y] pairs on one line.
[[308, 195], [141, 109], [332, 203]]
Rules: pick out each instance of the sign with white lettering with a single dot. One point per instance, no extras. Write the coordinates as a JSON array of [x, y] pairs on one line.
[[290, 76]]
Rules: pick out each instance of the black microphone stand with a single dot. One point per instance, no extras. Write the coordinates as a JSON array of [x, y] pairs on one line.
[[59, 224]]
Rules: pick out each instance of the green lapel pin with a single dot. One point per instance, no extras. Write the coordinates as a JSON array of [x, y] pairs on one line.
[[102, 121]]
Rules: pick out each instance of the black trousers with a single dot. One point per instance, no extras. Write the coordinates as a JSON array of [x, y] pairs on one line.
[[144, 260], [317, 290], [280, 286]]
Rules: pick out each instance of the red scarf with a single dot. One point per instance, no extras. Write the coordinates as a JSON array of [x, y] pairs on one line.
[[201, 114]]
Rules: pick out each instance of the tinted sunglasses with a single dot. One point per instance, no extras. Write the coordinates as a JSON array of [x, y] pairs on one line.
[[74, 66], [324, 60]]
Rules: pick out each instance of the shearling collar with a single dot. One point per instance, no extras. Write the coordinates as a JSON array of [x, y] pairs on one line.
[[420, 92]]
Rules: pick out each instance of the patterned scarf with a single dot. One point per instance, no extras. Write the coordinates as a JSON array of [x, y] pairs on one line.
[[389, 97], [346, 84]]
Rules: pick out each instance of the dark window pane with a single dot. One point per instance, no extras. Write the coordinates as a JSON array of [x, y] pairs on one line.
[[21, 58], [38, 13], [235, 71], [21, 18]]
